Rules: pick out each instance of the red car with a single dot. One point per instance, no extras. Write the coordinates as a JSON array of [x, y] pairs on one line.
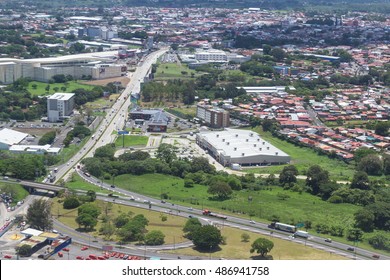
[[84, 248], [65, 249], [121, 255], [7, 256], [101, 258], [60, 254], [113, 254], [92, 257], [79, 258]]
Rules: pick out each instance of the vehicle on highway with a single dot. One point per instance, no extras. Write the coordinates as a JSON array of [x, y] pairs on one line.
[[7, 256], [251, 222], [112, 186], [65, 249], [351, 249], [163, 201], [84, 248], [79, 258], [375, 256], [328, 240], [60, 254]]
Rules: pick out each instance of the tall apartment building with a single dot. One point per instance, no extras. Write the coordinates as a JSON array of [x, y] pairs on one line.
[[213, 117], [59, 105]]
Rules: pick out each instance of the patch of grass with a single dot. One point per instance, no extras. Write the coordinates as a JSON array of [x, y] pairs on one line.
[[283, 250], [303, 158], [173, 71], [265, 203], [70, 87], [172, 228], [67, 153], [131, 140], [77, 183], [183, 111]]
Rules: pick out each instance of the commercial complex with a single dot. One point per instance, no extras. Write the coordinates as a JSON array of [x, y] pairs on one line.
[[95, 65], [157, 120], [213, 116], [59, 106], [243, 147]]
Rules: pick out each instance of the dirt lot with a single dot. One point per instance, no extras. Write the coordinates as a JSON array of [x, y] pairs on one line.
[[124, 81], [34, 131]]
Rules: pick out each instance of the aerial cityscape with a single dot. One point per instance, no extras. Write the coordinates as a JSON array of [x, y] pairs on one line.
[[194, 130]]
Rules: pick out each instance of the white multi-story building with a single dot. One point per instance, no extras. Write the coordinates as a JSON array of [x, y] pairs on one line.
[[211, 55], [59, 105]]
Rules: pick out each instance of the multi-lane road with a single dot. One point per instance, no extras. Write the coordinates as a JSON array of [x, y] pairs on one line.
[[115, 118]]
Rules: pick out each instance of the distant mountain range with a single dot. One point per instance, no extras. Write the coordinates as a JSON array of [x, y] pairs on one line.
[[357, 5]]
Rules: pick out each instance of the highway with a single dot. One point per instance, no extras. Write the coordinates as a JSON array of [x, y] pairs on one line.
[[232, 221], [115, 118]]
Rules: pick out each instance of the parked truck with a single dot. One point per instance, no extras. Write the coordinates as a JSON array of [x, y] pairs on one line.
[[209, 213], [236, 166], [301, 234]]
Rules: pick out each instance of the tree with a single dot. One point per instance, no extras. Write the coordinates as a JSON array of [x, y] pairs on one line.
[[371, 164], [86, 220], [105, 152], [71, 202], [355, 235], [360, 181], [90, 209], [364, 219], [207, 237], [380, 241], [121, 220], [361, 153], [92, 195], [220, 189], [262, 246], [154, 237], [39, 215], [137, 155], [166, 153], [382, 128], [267, 124], [278, 54], [47, 138], [386, 164], [245, 237], [316, 176], [188, 183], [107, 229], [24, 250], [288, 175], [192, 225]]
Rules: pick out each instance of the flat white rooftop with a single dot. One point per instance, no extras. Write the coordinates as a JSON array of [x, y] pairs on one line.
[[61, 96], [11, 137], [240, 143]]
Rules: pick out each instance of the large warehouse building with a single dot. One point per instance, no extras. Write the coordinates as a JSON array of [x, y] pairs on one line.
[[96, 65], [241, 147]]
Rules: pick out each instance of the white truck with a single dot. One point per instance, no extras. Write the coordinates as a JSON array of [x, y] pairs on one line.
[[301, 234]]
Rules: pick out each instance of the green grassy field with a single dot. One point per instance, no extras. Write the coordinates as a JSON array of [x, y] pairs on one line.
[[77, 183], [168, 71], [70, 87], [303, 158], [183, 111], [283, 250], [265, 203], [131, 140], [172, 228], [69, 152]]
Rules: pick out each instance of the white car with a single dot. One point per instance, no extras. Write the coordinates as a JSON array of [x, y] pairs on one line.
[[252, 222]]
